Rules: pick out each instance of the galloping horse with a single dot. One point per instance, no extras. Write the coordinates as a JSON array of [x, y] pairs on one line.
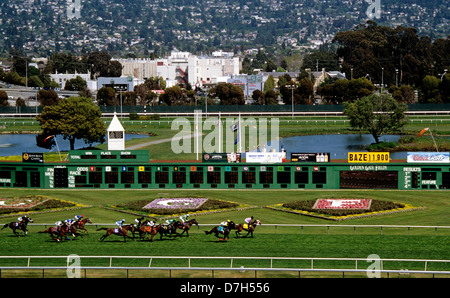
[[170, 230], [186, 226], [144, 229], [225, 231], [57, 233], [119, 232], [247, 227], [81, 223], [19, 225]]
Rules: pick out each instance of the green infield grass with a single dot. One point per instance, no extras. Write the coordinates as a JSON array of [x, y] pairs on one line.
[[340, 241]]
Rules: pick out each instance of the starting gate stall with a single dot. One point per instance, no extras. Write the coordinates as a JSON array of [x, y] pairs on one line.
[[132, 169]]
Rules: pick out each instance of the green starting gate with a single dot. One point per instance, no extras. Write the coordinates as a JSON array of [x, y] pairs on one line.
[[132, 170]]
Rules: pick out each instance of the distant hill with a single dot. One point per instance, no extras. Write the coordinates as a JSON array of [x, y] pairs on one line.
[[140, 27]]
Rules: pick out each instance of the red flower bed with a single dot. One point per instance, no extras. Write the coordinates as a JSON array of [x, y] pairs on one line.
[[362, 204]]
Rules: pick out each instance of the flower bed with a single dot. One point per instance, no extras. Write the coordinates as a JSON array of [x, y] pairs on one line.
[[33, 204], [169, 207], [353, 208], [342, 204], [175, 203], [21, 202]]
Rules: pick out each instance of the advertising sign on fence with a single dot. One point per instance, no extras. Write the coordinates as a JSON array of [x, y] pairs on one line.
[[310, 157], [265, 157], [431, 157], [367, 157]]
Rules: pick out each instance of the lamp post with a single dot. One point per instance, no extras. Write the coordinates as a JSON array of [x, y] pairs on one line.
[[292, 87], [442, 77], [396, 77]]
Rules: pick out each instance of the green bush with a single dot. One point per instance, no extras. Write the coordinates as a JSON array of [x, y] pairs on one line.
[[382, 146], [135, 116]]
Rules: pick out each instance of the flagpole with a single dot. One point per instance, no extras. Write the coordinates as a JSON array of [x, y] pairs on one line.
[[434, 141], [240, 135], [424, 131], [59, 152], [220, 134], [196, 132]]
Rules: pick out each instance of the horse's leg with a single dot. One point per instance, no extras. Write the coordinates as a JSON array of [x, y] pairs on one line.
[[104, 236]]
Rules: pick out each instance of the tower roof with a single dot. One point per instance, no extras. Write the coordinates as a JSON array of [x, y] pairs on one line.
[[115, 124]]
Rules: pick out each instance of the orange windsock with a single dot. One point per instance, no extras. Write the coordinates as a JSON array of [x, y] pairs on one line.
[[49, 137], [422, 132]]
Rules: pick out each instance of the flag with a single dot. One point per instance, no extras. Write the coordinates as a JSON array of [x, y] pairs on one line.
[[234, 127], [237, 138], [218, 120], [422, 132]]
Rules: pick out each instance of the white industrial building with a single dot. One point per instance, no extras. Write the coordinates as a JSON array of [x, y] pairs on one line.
[[62, 78], [184, 67]]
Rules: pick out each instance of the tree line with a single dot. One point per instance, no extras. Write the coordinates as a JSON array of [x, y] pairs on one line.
[[370, 56]]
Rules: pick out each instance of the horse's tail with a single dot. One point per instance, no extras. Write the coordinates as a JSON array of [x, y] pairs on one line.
[[5, 226], [209, 232], [102, 229]]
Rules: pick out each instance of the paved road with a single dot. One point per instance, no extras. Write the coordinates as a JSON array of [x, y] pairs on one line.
[[138, 146]]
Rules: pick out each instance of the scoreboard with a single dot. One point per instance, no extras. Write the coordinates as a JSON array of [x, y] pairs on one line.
[[131, 169]]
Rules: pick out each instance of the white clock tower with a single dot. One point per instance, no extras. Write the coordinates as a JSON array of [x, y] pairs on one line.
[[116, 135]]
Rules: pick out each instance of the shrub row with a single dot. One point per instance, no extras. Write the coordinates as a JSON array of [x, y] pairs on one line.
[[134, 116]]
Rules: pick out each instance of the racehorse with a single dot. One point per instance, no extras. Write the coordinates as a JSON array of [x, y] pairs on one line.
[[186, 226], [81, 223], [247, 227], [57, 233], [225, 231], [119, 232], [19, 225], [144, 229], [169, 230]]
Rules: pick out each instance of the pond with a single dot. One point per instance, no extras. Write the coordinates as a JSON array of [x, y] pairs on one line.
[[15, 144], [337, 145]]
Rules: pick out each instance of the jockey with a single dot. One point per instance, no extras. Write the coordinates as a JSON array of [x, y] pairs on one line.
[[170, 221], [120, 223], [139, 221], [225, 223], [78, 217], [184, 218], [69, 221], [248, 220]]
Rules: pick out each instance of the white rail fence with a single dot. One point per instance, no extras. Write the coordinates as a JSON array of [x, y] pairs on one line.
[[343, 265], [302, 227]]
